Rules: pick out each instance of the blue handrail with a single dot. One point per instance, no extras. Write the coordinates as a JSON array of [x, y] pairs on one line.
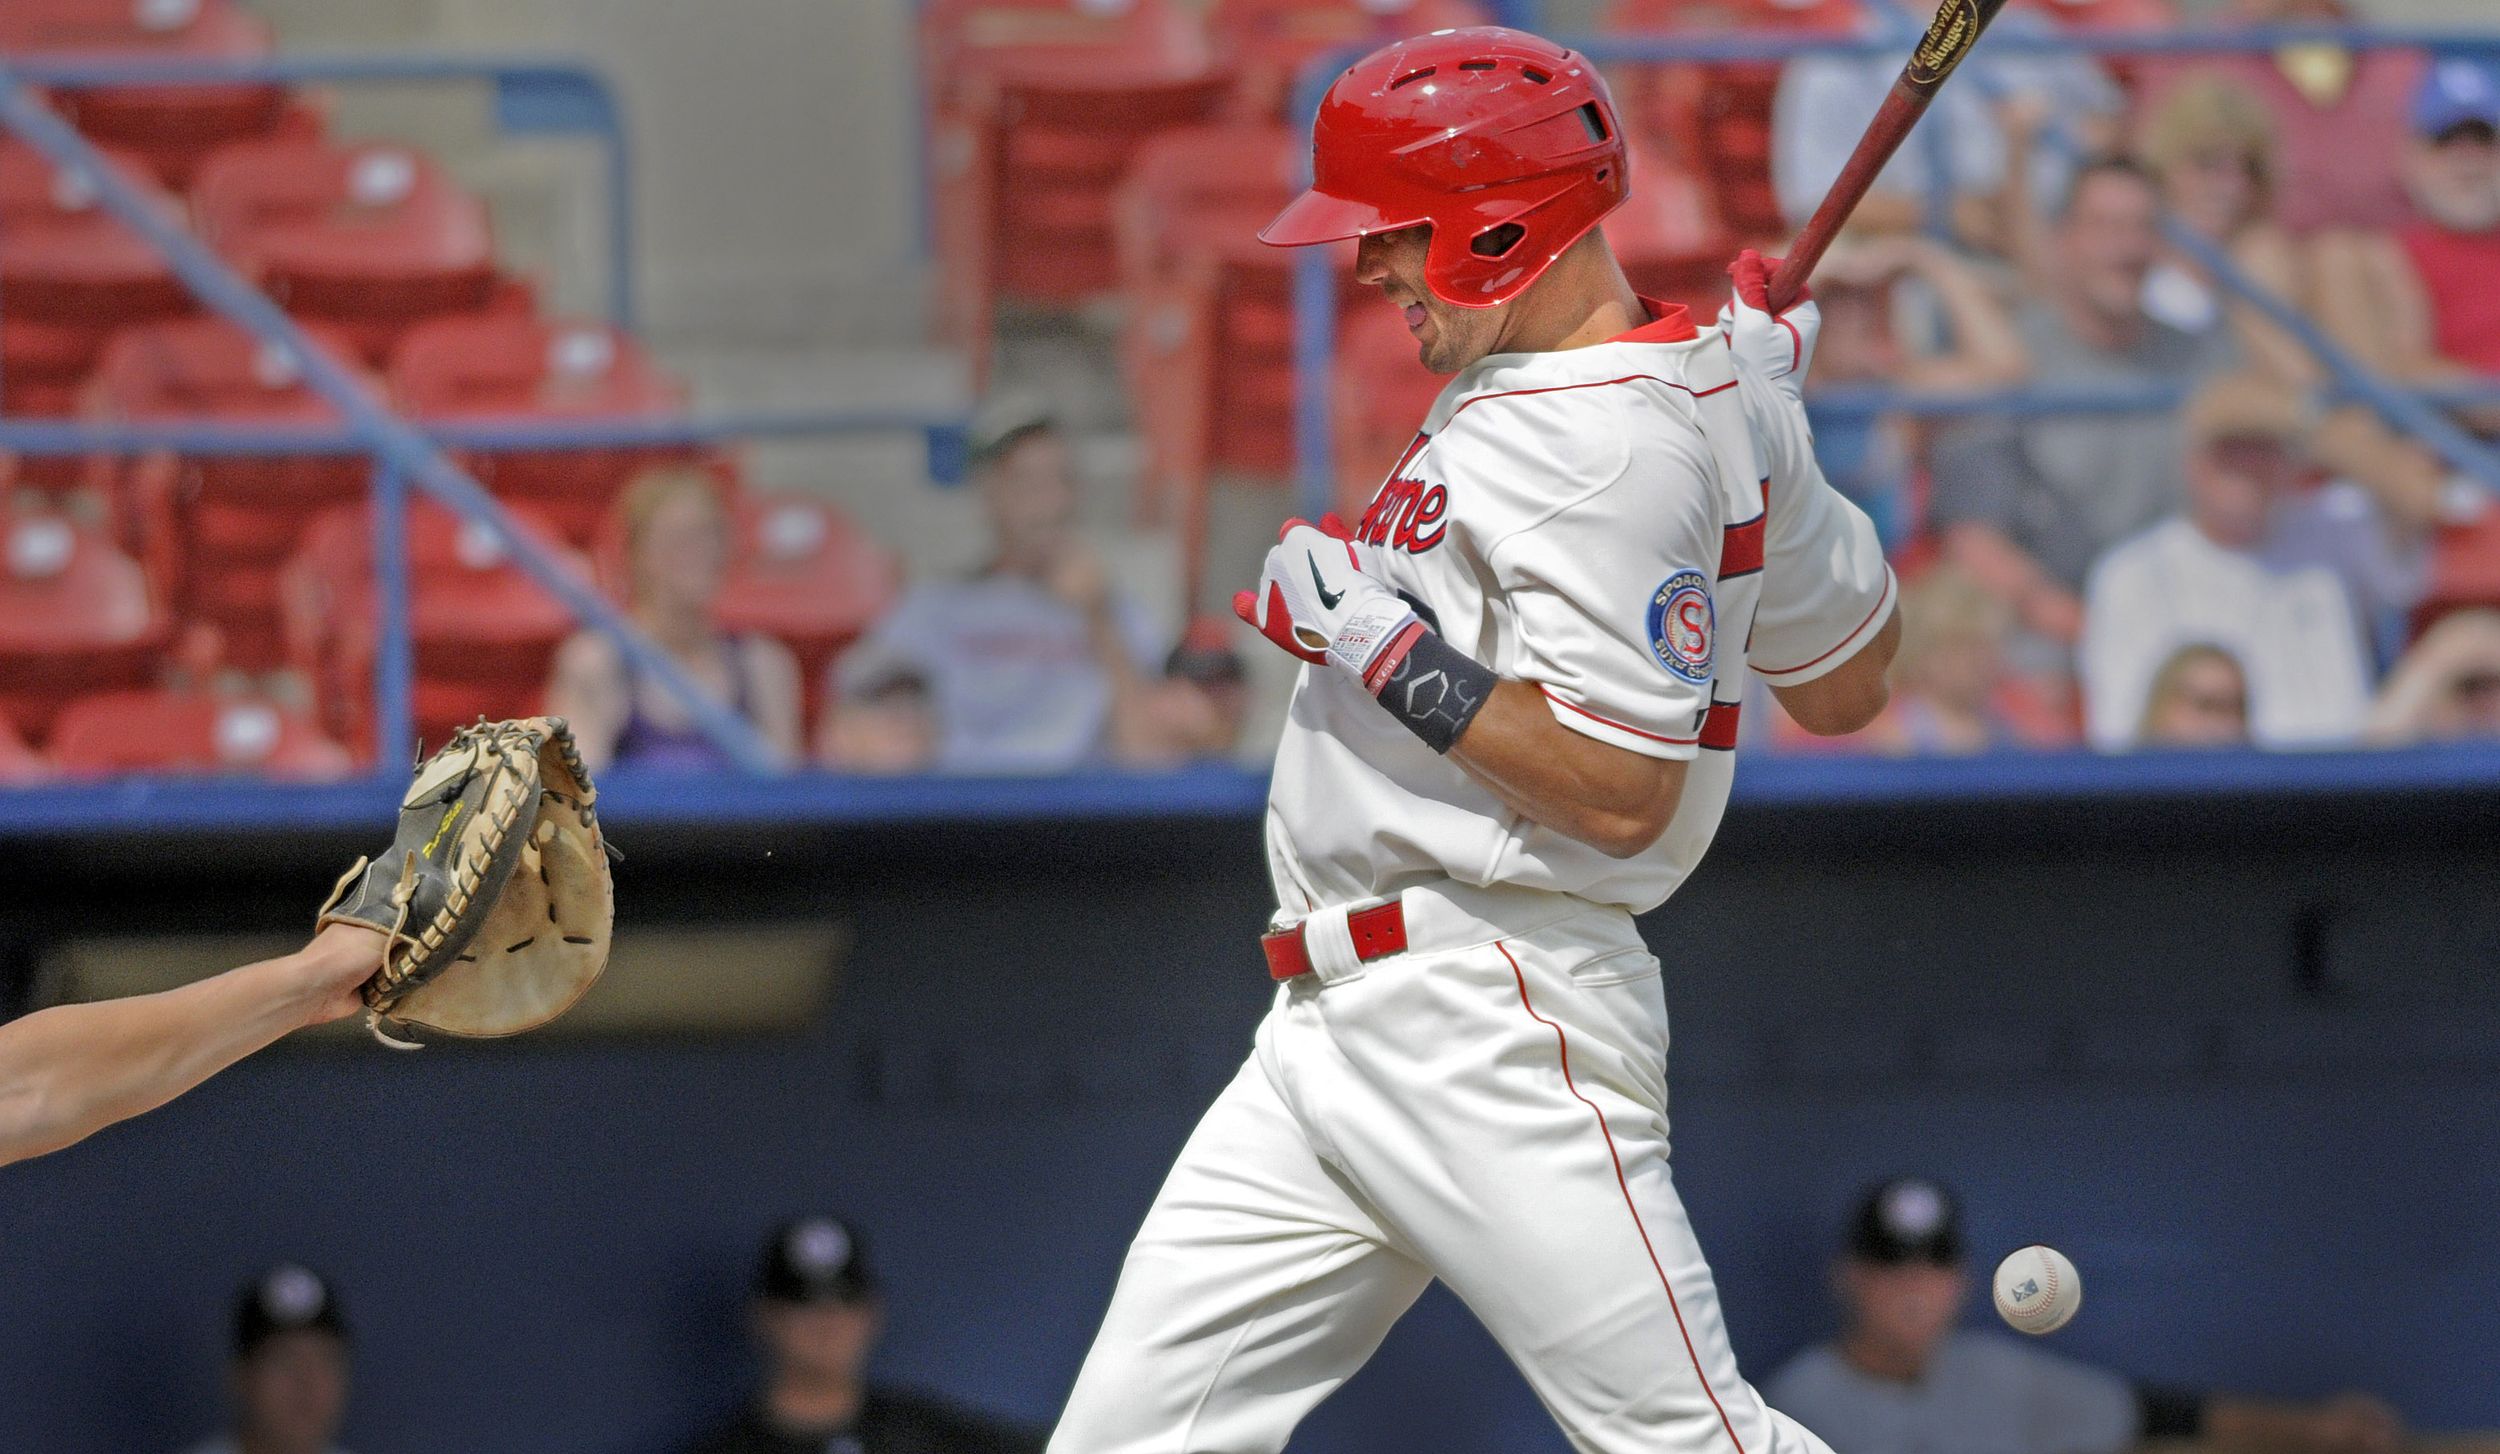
[[533, 96], [61, 438], [1229, 791], [1314, 283], [398, 448]]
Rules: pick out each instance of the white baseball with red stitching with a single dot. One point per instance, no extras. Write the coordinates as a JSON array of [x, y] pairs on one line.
[[2038, 1290]]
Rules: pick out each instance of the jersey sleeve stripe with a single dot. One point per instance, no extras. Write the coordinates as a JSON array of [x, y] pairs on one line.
[[1881, 601], [1740, 549], [1718, 726], [1559, 701]]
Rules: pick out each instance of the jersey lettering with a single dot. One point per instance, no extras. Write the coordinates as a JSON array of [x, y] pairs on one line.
[[1407, 513]]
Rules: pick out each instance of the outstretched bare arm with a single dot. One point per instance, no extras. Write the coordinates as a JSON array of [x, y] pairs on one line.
[[70, 1071]]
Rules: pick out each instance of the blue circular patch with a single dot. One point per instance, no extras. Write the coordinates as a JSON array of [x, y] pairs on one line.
[[1682, 623]]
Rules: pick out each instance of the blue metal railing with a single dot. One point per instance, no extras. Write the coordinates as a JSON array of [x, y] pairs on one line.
[[403, 454], [1314, 283], [530, 97]]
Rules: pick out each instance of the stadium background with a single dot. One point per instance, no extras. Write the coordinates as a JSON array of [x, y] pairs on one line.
[[2220, 1028]]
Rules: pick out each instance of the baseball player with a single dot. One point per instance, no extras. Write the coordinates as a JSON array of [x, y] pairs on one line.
[[72, 1070], [1514, 733]]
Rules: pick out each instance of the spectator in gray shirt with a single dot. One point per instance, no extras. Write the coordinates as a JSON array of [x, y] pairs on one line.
[[1034, 662], [2027, 504], [1902, 1379]]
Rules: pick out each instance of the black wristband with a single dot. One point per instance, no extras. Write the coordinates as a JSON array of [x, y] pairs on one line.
[[1436, 691], [2169, 1413]]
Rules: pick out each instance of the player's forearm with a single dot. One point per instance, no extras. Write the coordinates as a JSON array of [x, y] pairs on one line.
[[1614, 801], [70, 1071]]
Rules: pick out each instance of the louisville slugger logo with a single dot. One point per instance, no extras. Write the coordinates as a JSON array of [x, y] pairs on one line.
[[1946, 42]]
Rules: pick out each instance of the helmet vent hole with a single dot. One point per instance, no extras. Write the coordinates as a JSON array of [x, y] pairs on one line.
[[1533, 74], [1595, 120], [1411, 77], [1496, 241], [1475, 65]]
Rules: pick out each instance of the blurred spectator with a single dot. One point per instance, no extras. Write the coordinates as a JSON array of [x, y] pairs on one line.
[[289, 1378], [885, 724], [1031, 660], [2338, 115], [1950, 672], [1824, 103], [817, 1314], [2447, 688], [2199, 698], [2418, 302], [2216, 575], [2210, 147], [1195, 710], [2027, 503], [676, 559], [1861, 287], [1902, 1379]]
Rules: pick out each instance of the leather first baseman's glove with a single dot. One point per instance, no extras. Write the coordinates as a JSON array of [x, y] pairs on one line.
[[1781, 348], [494, 901], [1315, 600]]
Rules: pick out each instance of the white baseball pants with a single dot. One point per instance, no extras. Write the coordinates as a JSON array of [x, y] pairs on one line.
[[1488, 1108]]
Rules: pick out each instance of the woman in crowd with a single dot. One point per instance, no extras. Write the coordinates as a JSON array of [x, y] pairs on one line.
[[2447, 688], [2210, 146], [1952, 693], [2199, 698], [677, 544]]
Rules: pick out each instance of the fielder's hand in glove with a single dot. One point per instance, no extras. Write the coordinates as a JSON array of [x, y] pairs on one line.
[[1316, 601], [494, 901], [1777, 349]]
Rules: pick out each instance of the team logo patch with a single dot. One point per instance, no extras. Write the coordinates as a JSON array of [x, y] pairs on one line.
[[1681, 625]]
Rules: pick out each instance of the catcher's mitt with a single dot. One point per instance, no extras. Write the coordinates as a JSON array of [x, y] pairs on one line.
[[494, 900]]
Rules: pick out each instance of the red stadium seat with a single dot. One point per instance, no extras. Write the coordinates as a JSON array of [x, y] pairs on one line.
[[19, 763], [370, 238], [1207, 342], [2089, 15], [76, 615], [514, 367], [190, 733], [172, 126], [1382, 394], [220, 526], [70, 273], [485, 634], [805, 574], [1715, 121], [1663, 234], [1037, 108], [1269, 42], [2465, 570]]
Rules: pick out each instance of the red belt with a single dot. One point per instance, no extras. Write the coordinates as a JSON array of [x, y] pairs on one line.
[[1379, 932]]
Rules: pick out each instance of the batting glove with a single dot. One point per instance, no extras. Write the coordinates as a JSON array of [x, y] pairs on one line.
[[1315, 600], [1779, 348]]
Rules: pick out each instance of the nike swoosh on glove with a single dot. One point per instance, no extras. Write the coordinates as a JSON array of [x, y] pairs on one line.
[[1780, 348], [1316, 601]]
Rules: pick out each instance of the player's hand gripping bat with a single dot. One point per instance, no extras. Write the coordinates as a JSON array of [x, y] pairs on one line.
[[1957, 25]]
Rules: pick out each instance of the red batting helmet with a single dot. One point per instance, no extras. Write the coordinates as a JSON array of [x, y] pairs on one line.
[[1505, 143]]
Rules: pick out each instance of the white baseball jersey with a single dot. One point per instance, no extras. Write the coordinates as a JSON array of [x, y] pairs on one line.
[[1592, 521]]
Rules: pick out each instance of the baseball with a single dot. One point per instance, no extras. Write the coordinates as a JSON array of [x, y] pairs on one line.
[[2038, 1290]]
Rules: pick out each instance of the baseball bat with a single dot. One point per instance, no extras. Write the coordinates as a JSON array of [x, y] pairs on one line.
[[1949, 38]]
